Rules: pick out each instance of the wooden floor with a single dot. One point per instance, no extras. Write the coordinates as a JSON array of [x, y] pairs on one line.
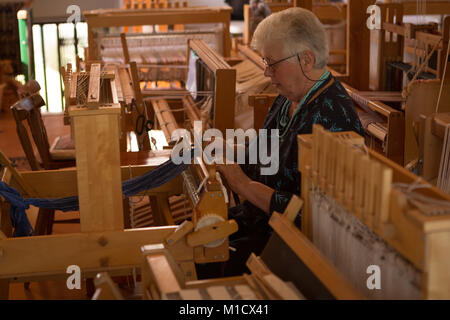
[[11, 147]]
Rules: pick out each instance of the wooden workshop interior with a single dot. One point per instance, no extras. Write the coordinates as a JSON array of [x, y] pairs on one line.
[[142, 72]]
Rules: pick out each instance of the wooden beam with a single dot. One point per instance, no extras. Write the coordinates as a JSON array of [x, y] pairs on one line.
[[17, 176], [98, 168], [106, 288], [358, 43], [63, 183], [93, 98], [331, 278], [432, 8], [96, 251], [126, 54], [174, 16]]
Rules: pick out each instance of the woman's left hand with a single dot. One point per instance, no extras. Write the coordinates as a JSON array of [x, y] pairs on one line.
[[234, 176]]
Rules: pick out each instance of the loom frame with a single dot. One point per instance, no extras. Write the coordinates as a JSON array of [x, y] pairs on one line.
[[423, 240], [157, 281], [392, 135], [224, 91], [385, 47], [432, 136], [102, 18], [109, 245]]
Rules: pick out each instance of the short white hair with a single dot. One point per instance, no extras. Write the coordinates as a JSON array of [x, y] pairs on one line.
[[297, 29]]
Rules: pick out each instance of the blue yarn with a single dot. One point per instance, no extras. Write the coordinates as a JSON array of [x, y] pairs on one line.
[[19, 220]]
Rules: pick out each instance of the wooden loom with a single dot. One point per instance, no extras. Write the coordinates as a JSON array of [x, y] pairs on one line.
[[288, 250], [97, 182], [384, 126], [399, 46], [160, 107], [393, 44], [422, 102], [195, 15], [365, 185], [431, 144], [218, 80], [215, 78]]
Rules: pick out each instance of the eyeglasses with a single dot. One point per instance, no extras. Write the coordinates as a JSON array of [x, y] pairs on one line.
[[270, 66]]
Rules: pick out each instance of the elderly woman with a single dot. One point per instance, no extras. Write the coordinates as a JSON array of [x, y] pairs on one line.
[[294, 48]]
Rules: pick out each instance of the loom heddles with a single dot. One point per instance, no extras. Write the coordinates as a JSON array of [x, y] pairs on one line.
[[83, 89], [352, 247], [167, 50], [159, 48]]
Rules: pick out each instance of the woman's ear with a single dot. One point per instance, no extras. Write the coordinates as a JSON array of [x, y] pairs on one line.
[[308, 60]]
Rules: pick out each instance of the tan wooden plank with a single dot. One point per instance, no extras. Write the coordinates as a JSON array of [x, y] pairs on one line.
[[164, 16], [182, 230], [63, 183], [281, 288], [163, 275], [313, 259], [236, 280], [294, 206], [29, 256], [106, 288], [439, 124], [437, 265], [126, 85], [94, 86], [98, 172], [126, 54], [18, 181], [73, 88]]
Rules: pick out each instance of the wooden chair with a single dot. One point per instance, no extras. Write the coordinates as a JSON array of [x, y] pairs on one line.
[[9, 87], [60, 155], [62, 152]]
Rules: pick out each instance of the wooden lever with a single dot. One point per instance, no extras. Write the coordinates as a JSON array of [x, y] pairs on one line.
[[212, 233]]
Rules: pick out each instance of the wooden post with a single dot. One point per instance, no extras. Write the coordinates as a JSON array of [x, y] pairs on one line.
[[224, 99], [143, 139], [358, 44], [383, 48], [98, 168], [126, 54]]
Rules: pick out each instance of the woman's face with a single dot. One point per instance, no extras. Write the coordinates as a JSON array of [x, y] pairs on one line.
[[286, 76]]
